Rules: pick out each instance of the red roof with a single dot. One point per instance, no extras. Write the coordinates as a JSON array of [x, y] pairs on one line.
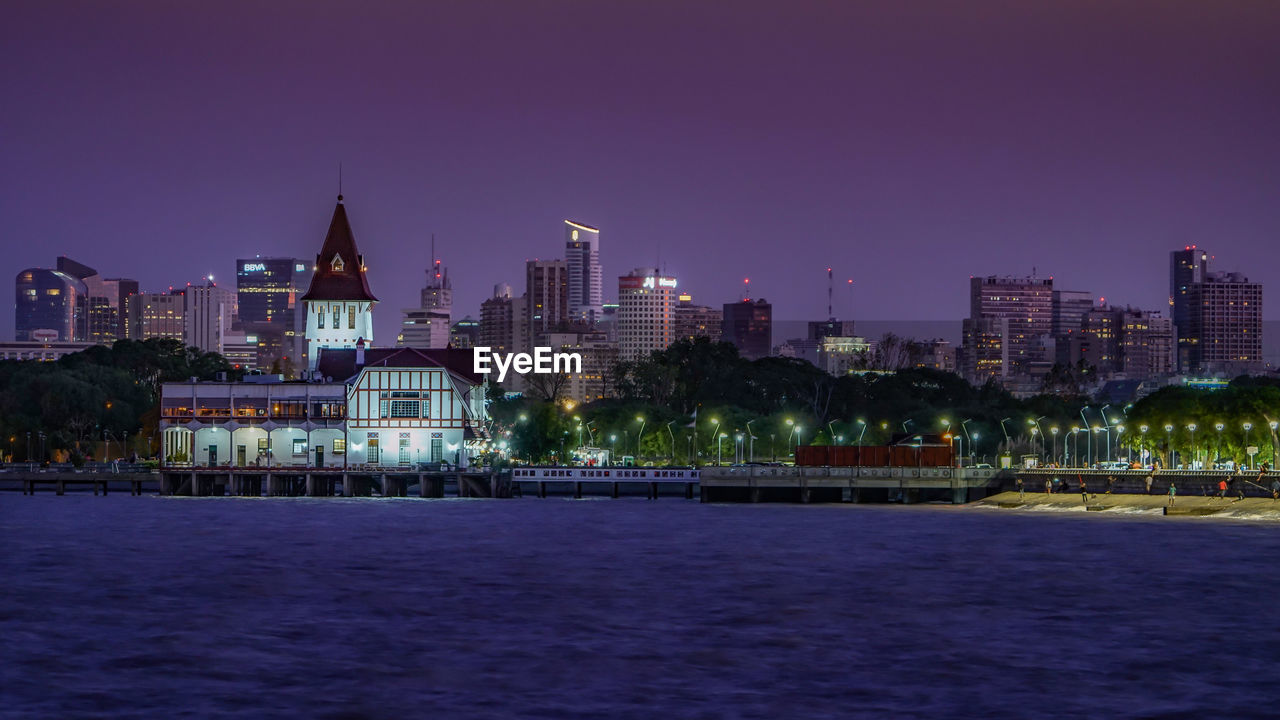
[[339, 273], [340, 364]]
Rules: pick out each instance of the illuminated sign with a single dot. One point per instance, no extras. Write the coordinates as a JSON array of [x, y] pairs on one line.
[[300, 267], [255, 267], [660, 282]]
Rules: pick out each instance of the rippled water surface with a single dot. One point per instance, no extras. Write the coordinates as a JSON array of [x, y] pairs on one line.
[[555, 608]]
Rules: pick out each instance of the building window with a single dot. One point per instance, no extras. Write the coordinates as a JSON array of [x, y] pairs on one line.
[[262, 446], [405, 408], [337, 263], [351, 318], [299, 446], [339, 446], [320, 322]]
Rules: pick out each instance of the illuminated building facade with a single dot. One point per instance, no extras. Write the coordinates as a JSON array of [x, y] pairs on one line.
[[646, 313], [338, 302]]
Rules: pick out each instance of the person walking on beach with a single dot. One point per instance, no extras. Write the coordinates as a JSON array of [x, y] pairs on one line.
[[1111, 483], [1222, 489], [1150, 479], [1022, 490], [1048, 486], [1084, 491], [1173, 492]]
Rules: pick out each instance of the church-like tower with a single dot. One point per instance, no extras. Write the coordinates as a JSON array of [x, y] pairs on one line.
[[338, 303]]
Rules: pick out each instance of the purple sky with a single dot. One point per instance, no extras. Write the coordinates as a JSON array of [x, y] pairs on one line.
[[909, 147]]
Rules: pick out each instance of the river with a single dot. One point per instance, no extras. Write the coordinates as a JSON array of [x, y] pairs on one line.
[[371, 608]]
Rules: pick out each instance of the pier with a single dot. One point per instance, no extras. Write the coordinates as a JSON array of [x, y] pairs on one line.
[[767, 483]]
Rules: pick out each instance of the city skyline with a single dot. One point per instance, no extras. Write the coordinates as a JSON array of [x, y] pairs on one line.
[[858, 149]]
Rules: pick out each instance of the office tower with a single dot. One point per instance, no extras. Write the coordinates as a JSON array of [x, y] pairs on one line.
[[1147, 347], [696, 321], [831, 327], [1009, 329], [338, 302], [748, 324], [428, 325], [547, 291], [1069, 310], [156, 315], [594, 382], [1224, 325], [48, 306], [497, 321], [267, 288], [465, 334], [586, 284], [1187, 267], [209, 312], [1101, 329], [646, 313]]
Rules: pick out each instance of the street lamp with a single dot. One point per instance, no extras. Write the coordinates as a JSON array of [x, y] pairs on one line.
[[1007, 447], [973, 447], [1128, 456], [1217, 452], [1075, 445], [1195, 456], [1054, 432], [1143, 452], [639, 435], [1247, 427], [737, 448], [673, 442], [751, 442], [716, 431], [791, 434], [719, 446]]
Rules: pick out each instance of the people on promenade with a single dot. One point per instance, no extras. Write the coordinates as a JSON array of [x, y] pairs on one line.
[[1150, 479], [1022, 490], [1111, 483], [1222, 489], [1048, 486], [1084, 491], [1173, 492]]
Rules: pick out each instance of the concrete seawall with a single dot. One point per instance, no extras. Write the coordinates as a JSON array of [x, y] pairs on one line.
[[1251, 508]]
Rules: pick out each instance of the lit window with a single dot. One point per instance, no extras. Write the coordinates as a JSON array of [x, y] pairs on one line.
[[337, 263]]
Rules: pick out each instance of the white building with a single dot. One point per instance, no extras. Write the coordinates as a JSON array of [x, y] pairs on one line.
[[339, 304], [646, 313], [208, 312]]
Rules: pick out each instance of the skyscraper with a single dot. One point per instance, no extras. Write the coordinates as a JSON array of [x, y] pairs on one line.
[[547, 291], [695, 321], [1224, 325], [267, 288], [748, 324], [497, 321], [156, 315], [1187, 266], [208, 312], [582, 257], [339, 304], [646, 313], [1009, 327], [428, 325]]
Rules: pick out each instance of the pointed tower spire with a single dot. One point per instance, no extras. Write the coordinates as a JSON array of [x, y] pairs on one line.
[[340, 272]]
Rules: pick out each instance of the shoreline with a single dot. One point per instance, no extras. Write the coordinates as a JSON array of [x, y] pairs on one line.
[[1250, 508]]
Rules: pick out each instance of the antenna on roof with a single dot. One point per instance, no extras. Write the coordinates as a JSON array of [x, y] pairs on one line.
[[830, 313], [339, 181]]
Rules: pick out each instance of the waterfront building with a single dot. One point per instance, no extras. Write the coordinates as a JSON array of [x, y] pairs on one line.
[[748, 325], [338, 302], [646, 313], [586, 279], [375, 409]]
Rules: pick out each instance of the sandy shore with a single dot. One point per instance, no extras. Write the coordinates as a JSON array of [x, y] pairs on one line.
[[1251, 508]]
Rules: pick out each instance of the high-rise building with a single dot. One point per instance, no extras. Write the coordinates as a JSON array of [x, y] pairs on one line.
[[1102, 329], [748, 324], [599, 356], [339, 304], [1009, 328], [1069, 310], [465, 333], [429, 324], [209, 312], [696, 321], [1224, 324], [1147, 347], [646, 313], [267, 289], [547, 290], [48, 303], [586, 282], [1187, 267], [497, 322], [156, 316]]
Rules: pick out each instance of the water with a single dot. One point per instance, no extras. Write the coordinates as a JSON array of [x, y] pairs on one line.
[[555, 608]]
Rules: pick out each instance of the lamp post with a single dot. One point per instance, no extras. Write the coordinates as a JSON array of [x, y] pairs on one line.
[[1195, 456], [862, 432], [1217, 451], [1007, 445], [1168, 445], [719, 446], [1128, 456], [1247, 427], [42, 437], [673, 442], [1054, 431], [791, 434], [1088, 445], [716, 432], [613, 445], [1273, 425], [964, 426], [973, 447], [639, 436], [1143, 452], [751, 442], [1075, 445], [737, 448]]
